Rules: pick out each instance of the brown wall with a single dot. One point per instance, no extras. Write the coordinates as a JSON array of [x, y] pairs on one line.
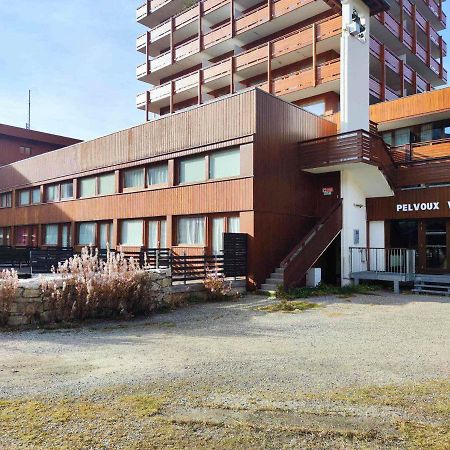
[[385, 208], [286, 199]]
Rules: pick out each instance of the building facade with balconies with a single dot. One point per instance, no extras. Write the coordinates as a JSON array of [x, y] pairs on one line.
[[198, 51]]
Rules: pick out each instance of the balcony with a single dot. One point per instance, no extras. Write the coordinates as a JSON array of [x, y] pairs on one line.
[[153, 12], [253, 63], [428, 151], [334, 153], [263, 21], [419, 57], [183, 25]]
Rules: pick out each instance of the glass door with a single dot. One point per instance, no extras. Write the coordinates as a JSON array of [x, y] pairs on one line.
[[436, 245]]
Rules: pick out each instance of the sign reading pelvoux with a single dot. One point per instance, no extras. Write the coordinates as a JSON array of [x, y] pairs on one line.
[[412, 207]]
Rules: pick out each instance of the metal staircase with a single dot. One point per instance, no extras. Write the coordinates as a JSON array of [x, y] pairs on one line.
[[293, 268]]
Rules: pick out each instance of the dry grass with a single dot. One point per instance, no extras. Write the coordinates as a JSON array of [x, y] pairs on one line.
[[288, 306], [183, 417]]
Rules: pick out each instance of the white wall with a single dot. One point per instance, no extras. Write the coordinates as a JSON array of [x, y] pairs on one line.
[[377, 241], [353, 218], [354, 83]]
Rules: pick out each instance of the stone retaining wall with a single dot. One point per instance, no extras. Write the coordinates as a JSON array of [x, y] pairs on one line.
[[30, 308]]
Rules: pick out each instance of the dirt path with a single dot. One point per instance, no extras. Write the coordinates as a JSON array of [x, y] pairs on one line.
[[354, 373]]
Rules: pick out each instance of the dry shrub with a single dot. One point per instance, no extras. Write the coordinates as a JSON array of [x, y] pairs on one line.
[[93, 288], [216, 285], [9, 282]]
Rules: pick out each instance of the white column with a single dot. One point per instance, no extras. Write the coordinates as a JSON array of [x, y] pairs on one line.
[[354, 83], [354, 219]]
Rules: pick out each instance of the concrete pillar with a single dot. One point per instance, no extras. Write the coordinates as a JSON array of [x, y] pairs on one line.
[[354, 83]]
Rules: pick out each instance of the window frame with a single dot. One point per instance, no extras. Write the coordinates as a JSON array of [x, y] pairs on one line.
[[230, 149], [143, 233], [205, 169], [8, 201], [133, 188], [205, 232], [159, 220]]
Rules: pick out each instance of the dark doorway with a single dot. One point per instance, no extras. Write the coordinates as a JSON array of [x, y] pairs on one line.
[[330, 263]]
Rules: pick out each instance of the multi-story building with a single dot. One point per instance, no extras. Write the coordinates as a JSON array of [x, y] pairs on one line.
[[20, 143], [313, 127], [199, 50]]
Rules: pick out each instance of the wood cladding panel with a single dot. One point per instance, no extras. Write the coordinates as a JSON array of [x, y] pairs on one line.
[[211, 197], [411, 106], [225, 119], [426, 173], [385, 208], [285, 198]]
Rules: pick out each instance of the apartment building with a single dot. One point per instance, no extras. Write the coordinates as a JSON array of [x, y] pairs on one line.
[[19, 143], [315, 127], [197, 51]]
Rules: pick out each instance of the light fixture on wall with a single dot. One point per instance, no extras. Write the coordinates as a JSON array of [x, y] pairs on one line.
[[357, 28], [358, 205]]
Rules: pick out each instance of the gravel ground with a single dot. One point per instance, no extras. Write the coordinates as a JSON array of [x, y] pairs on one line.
[[220, 359]]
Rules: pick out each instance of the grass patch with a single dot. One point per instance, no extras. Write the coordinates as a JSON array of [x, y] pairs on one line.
[[323, 290], [288, 306]]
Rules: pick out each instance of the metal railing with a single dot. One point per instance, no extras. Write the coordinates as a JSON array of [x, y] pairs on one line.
[[400, 261]]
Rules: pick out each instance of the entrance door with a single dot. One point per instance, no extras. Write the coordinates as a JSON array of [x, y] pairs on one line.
[[436, 245]]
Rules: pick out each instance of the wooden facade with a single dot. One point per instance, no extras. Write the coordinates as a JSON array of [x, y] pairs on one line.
[[274, 200]]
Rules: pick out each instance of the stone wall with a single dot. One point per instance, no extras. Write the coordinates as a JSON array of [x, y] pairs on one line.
[[30, 308]]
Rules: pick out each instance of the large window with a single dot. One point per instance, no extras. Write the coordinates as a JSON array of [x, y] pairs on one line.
[[6, 200], [131, 233], [29, 197], [191, 231], [191, 170], [66, 190], [5, 236], [225, 164], [36, 196], [105, 235], [87, 187], [24, 197], [134, 178], [157, 234], [26, 235], [51, 193], [87, 233], [107, 184], [221, 225], [157, 174], [51, 235], [100, 185]]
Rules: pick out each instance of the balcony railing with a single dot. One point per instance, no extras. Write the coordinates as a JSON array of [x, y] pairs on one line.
[[242, 24], [347, 148], [420, 152]]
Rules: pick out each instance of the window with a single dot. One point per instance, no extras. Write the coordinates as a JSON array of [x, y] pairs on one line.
[[52, 193], [157, 235], [191, 170], [24, 197], [25, 151], [6, 200], [105, 235], [65, 235], [191, 231], [87, 233], [217, 235], [26, 235], [51, 235], [225, 164], [234, 225], [317, 108], [157, 174], [131, 232], [87, 187], [36, 196], [66, 190], [133, 178], [107, 184], [5, 236]]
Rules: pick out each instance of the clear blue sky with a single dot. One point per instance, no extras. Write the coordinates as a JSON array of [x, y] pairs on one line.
[[78, 57]]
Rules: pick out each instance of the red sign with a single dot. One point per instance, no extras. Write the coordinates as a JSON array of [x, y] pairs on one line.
[[327, 191]]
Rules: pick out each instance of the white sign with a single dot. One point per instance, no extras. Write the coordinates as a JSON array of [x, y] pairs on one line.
[[411, 207]]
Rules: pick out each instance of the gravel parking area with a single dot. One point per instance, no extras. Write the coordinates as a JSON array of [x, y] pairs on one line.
[[349, 374]]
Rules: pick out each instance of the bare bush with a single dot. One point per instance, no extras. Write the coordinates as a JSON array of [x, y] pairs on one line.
[[216, 285], [89, 287], [9, 282]]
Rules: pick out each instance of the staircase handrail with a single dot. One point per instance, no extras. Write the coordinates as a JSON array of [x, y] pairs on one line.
[[294, 253]]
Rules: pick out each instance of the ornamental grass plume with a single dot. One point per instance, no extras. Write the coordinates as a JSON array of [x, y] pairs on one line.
[[90, 287], [9, 282]]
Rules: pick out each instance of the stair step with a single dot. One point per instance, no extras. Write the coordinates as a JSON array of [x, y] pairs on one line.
[[274, 281], [279, 270], [268, 287], [434, 286], [277, 276], [430, 291]]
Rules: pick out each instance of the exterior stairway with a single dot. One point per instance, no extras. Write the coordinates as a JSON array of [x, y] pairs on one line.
[[293, 268]]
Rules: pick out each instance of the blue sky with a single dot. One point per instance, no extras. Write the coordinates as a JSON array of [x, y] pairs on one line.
[[78, 57]]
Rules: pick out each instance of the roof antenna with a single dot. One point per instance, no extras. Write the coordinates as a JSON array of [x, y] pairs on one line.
[[29, 110]]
